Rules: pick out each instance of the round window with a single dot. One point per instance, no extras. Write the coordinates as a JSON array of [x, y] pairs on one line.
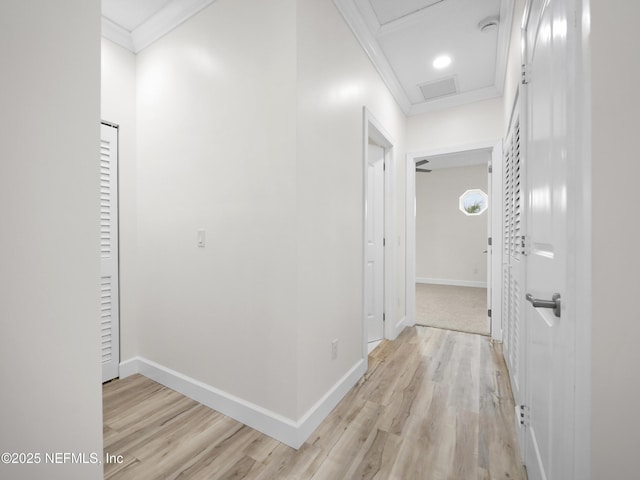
[[473, 202]]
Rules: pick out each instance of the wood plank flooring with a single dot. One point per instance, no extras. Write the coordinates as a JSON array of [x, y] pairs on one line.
[[435, 404]]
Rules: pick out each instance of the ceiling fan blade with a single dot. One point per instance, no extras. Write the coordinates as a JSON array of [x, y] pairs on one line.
[[421, 162], [422, 170]]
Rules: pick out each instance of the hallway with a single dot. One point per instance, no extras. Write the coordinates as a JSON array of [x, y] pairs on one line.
[[435, 404]]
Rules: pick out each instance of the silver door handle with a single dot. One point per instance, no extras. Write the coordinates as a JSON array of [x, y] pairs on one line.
[[554, 303]]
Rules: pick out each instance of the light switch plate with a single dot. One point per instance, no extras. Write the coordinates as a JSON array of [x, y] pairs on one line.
[[202, 238]]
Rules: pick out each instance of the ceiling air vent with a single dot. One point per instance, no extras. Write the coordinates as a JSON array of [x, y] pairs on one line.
[[439, 88]]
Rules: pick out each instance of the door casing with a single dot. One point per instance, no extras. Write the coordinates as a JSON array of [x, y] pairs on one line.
[[494, 274], [374, 131]]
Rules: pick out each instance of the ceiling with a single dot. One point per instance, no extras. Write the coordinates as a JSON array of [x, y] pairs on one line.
[[465, 158], [136, 24], [131, 15], [402, 38]]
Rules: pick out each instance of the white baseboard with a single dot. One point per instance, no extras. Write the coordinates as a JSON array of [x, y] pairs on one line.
[[290, 432], [457, 283], [129, 367], [397, 330]]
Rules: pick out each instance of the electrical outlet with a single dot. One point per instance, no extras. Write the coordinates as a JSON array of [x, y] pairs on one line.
[[334, 349]]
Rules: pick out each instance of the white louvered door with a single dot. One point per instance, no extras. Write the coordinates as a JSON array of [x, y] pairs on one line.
[[109, 311], [514, 263]]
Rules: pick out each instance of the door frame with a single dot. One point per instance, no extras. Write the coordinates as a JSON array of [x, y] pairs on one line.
[[495, 199], [374, 130]]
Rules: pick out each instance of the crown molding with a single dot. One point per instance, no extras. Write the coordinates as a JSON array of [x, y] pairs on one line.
[[507, 8], [171, 16], [455, 100], [349, 11], [165, 20], [406, 20], [363, 22], [114, 32]]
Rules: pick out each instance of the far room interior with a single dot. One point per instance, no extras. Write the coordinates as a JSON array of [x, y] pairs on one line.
[[452, 229]]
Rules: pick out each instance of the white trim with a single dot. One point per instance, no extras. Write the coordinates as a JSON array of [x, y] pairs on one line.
[[165, 20], [170, 17], [373, 51], [114, 32], [129, 367], [374, 130], [507, 8], [582, 252], [454, 100], [410, 240], [452, 282], [366, 29], [496, 228], [497, 234], [398, 327], [373, 345], [290, 432]]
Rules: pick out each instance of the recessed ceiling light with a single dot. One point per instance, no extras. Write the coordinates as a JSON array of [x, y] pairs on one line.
[[443, 61]]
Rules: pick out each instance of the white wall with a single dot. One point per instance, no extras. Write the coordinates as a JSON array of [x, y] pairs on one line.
[[118, 105], [216, 151], [49, 205], [450, 244], [513, 73], [475, 122], [615, 230], [250, 126], [335, 80]]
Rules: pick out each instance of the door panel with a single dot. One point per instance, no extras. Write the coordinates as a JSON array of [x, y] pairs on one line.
[[374, 271], [549, 432], [109, 311]]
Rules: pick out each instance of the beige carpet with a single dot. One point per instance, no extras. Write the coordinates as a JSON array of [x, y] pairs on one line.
[[455, 308]]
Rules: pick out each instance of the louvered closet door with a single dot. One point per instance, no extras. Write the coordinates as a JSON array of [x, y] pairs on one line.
[[506, 243], [514, 263], [109, 318]]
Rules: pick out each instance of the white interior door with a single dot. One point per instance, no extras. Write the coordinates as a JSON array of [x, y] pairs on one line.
[[550, 377], [109, 316], [374, 271]]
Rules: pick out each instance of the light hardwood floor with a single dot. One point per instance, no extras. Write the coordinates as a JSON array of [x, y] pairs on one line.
[[435, 404]]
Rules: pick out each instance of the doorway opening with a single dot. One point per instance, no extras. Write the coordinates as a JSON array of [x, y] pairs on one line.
[[380, 303], [454, 225]]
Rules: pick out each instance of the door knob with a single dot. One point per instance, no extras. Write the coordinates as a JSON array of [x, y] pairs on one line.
[[554, 303]]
